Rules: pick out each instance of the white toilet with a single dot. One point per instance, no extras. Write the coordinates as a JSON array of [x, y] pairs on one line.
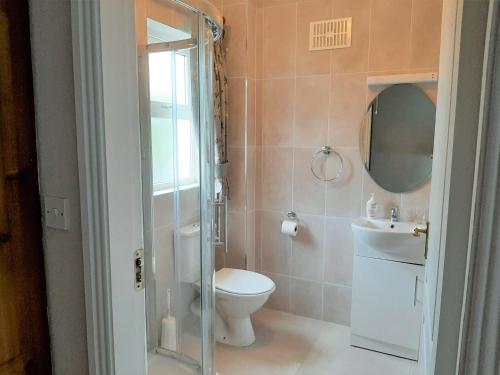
[[238, 293]]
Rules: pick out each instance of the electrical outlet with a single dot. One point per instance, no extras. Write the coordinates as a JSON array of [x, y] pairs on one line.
[[56, 212]]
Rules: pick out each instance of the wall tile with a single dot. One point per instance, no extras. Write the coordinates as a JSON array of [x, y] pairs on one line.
[[163, 210], [189, 206], [273, 3], [251, 112], [236, 38], [250, 241], [308, 192], [337, 304], [276, 178], [280, 299], [355, 58], [348, 107], [277, 111], [415, 204], [226, 3], [343, 198], [311, 62], [251, 178], [311, 110], [252, 41], [390, 35], [307, 248], [339, 251], [163, 245], [278, 44], [426, 28], [236, 176], [275, 246], [385, 199], [306, 298], [259, 40], [258, 240], [220, 259], [236, 121], [235, 258]]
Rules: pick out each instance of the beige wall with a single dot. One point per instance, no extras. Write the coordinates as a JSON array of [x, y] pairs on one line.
[[305, 100]]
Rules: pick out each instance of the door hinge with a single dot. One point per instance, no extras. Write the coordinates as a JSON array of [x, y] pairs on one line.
[[139, 269]]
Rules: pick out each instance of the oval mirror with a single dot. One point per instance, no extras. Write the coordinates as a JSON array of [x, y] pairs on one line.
[[397, 137]]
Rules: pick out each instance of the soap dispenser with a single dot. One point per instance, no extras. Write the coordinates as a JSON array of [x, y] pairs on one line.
[[371, 207]]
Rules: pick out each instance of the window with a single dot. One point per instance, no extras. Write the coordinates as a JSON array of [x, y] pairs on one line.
[[170, 100]]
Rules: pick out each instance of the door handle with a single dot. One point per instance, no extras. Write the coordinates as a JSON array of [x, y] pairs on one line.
[[418, 231]]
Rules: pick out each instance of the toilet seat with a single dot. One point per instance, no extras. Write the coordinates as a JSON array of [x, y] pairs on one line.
[[242, 282]]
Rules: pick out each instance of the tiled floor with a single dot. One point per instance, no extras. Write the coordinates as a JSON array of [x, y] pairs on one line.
[[291, 345], [160, 365]]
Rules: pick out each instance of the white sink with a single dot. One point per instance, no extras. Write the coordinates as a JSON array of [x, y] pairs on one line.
[[381, 239]]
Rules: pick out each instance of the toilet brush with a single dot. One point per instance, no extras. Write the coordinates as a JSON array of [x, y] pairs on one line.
[[168, 328]]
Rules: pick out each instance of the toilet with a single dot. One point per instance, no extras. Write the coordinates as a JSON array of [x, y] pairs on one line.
[[238, 293]]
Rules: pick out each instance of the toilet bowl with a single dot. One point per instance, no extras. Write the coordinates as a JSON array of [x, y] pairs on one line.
[[238, 294]]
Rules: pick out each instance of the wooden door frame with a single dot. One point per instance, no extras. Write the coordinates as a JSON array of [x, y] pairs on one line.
[[89, 104], [87, 24]]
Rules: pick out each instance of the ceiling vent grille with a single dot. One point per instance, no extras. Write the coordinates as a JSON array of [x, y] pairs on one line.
[[330, 34]]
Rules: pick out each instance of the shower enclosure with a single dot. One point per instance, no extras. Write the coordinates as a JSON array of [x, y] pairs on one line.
[[179, 189]]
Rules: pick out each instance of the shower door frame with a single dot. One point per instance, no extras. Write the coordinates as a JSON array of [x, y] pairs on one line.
[[205, 173]]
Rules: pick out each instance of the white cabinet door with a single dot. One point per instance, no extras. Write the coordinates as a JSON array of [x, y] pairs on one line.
[[386, 306]]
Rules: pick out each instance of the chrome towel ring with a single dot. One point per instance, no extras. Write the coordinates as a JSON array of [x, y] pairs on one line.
[[327, 151]]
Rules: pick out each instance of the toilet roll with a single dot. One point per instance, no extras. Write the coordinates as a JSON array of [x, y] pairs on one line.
[[289, 227]]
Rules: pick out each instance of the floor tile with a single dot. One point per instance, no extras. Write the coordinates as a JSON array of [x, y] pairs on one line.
[[287, 344]]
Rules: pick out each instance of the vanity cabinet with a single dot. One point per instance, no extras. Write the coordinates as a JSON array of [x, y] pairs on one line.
[[386, 306]]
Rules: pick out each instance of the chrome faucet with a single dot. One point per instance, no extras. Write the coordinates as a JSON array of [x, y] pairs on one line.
[[394, 215]]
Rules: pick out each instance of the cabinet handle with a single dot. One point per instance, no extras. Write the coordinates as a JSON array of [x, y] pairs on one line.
[[415, 292]]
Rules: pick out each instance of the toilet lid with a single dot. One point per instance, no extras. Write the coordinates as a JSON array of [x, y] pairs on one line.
[[242, 282]]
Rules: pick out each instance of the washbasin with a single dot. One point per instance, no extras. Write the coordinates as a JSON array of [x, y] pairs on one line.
[[381, 238]]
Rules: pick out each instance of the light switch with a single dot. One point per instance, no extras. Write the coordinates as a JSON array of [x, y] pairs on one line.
[[56, 213]]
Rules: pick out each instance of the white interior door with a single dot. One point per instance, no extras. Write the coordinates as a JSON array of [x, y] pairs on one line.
[[123, 176], [461, 92], [438, 189]]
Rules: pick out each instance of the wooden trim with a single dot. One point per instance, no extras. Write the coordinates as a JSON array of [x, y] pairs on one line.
[[25, 342], [87, 59]]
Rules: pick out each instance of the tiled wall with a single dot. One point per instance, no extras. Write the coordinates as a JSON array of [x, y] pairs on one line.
[[309, 99]]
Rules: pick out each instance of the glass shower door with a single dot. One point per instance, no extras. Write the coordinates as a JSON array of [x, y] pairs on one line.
[[178, 175]]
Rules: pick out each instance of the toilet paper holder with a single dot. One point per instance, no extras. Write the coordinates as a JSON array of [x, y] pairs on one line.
[[291, 215]]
